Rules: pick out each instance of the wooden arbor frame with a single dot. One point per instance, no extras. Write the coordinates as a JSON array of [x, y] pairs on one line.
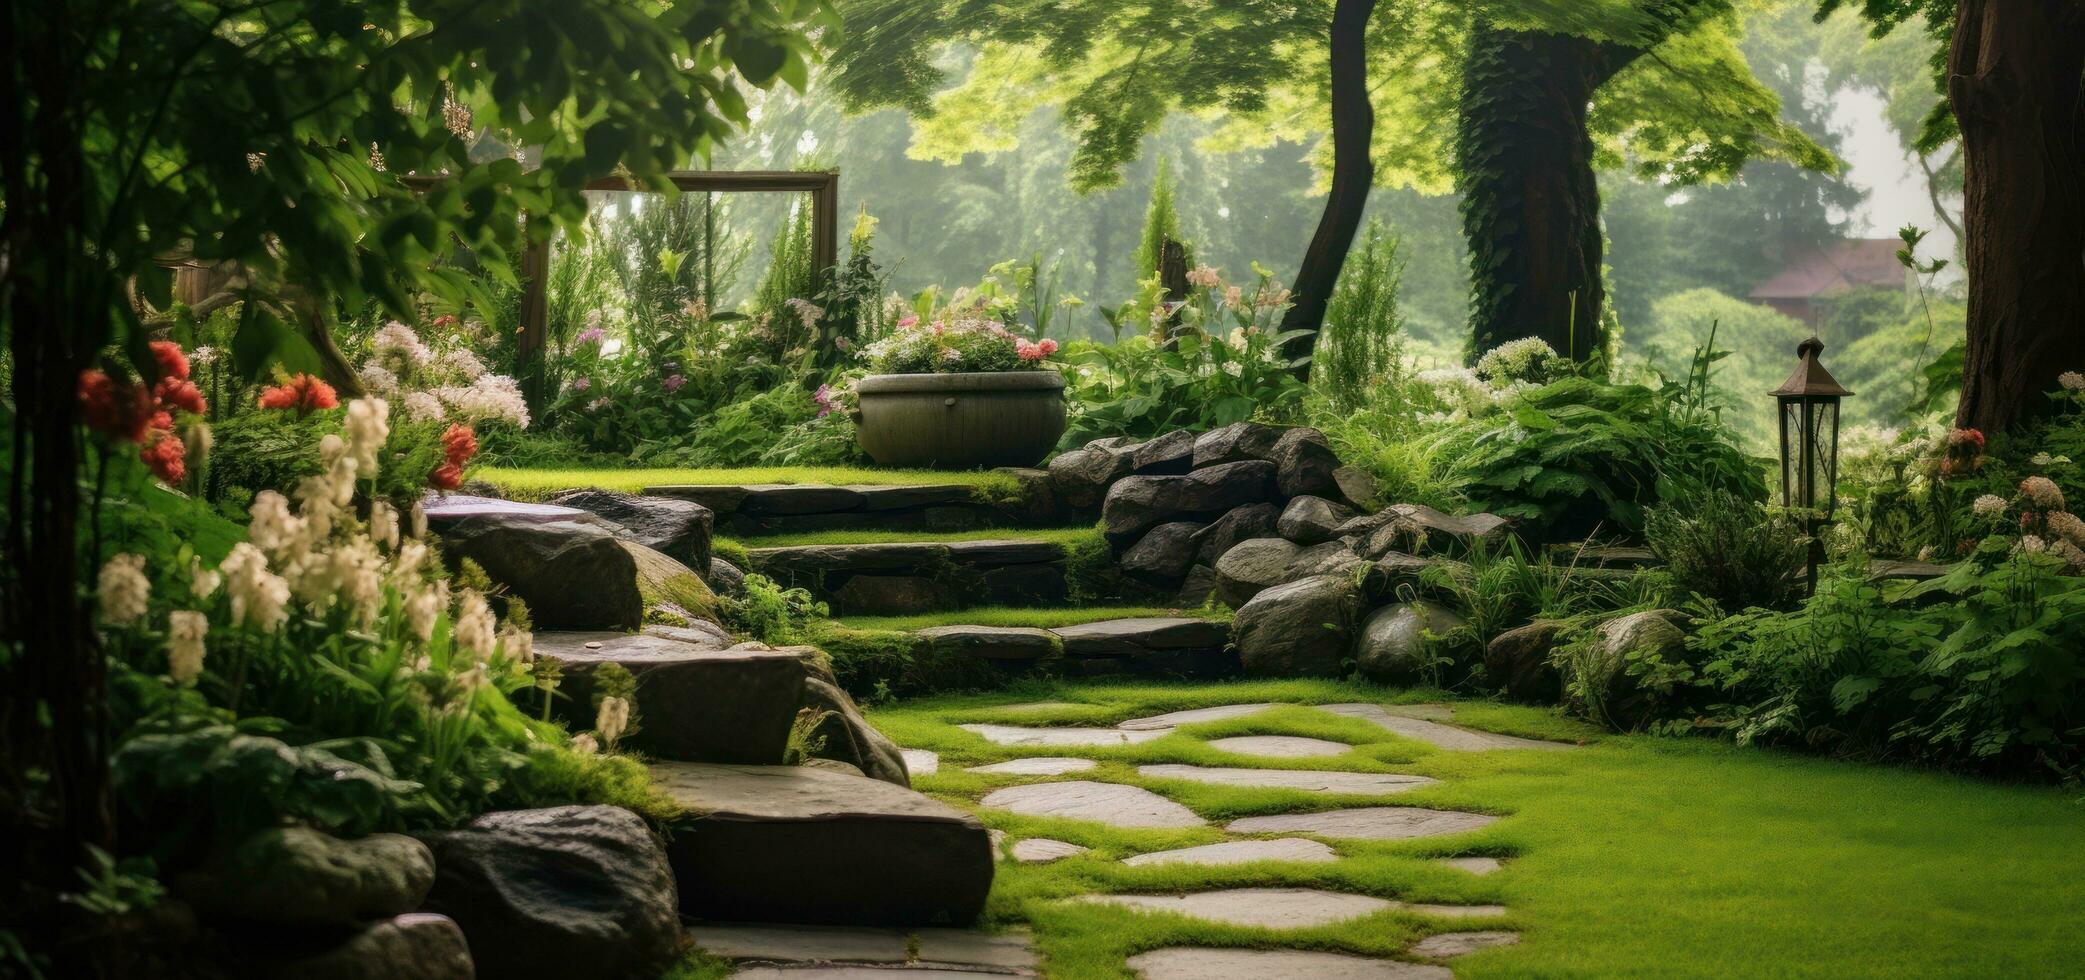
[[822, 185]]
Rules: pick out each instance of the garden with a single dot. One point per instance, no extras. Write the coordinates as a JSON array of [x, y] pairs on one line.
[[842, 487]]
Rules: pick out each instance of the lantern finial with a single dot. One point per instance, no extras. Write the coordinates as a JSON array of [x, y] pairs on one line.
[[1810, 377]]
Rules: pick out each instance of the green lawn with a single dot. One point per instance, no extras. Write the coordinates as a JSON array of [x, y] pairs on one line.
[[1059, 535], [522, 483], [1632, 856]]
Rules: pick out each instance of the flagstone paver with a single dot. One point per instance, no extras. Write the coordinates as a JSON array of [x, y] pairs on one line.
[[920, 762], [1193, 716], [1199, 963], [1434, 733], [1041, 766], [1017, 735], [848, 944], [1042, 850], [1473, 865], [1307, 780], [1280, 746], [1366, 823], [1240, 852], [856, 971], [1033, 707], [1268, 908], [1450, 944], [1115, 804]]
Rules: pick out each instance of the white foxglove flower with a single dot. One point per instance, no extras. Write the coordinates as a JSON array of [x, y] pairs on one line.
[[519, 644], [368, 425], [202, 579], [274, 530], [383, 524], [417, 521], [584, 744], [260, 598], [421, 611], [611, 719], [185, 632], [473, 632], [125, 592]]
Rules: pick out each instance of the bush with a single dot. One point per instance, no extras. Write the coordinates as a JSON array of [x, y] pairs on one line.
[[1730, 550], [1361, 341]]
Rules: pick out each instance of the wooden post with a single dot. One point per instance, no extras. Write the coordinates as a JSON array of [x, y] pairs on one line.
[[535, 323]]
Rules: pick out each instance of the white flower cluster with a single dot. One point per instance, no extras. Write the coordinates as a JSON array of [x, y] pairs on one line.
[[1529, 359], [453, 385]]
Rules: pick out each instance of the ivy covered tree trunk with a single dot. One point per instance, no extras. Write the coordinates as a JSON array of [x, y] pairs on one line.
[[2015, 71], [1353, 128], [1530, 201]]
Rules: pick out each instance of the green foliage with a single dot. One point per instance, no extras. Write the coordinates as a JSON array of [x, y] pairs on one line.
[[1361, 341], [1728, 549], [1161, 224], [1499, 587], [1761, 343], [877, 665], [772, 614], [215, 783]]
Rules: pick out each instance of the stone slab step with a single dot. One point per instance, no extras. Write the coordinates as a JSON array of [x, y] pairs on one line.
[[701, 699], [808, 845], [777, 508], [1422, 722], [901, 578], [1209, 963], [1000, 954]]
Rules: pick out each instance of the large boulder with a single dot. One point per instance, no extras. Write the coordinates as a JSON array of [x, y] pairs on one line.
[[1237, 524], [1356, 485], [1136, 503], [1081, 477], [1609, 671], [1419, 528], [678, 529], [1304, 464], [1312, 520], [1392, 647], [570, 891], [1235, 443], [841, 733], [1164, 553], [1169, 454], [1298, 629], [413, 946], [1518, 662], [696, 699], [297, 876], [1263, 563], [575, 575], [726, 579]]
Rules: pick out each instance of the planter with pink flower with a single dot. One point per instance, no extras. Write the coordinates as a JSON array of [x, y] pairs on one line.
[[959, 394]]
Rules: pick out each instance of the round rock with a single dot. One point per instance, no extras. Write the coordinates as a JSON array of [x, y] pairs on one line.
[[1367, 823], [1241, 852], [1280, 746], [1110, 803]]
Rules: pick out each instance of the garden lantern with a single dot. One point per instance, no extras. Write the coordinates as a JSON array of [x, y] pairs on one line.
[[1809, 405]]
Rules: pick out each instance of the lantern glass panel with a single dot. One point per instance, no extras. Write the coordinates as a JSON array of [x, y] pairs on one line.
[[1810, 453]]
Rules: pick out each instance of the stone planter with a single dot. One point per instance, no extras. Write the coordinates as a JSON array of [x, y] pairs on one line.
[[961, 421]]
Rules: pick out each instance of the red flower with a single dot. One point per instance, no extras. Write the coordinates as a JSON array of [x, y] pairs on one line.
[[304, 393], [167, 456], [172, 362], [447, 476], [459, 444], [443, 321], [176, 393], [123, 411]]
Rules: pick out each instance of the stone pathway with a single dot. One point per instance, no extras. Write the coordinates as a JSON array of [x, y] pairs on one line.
[[783, 951], [1123, 805]]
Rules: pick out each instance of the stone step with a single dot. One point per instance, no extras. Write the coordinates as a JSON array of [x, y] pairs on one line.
[[1156, 647], [808, 845], [700, 698], [784, 508], [902, 578]]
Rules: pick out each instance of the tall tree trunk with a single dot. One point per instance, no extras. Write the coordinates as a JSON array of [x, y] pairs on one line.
[[2015, 71], [1353, 172], [1530, 202]]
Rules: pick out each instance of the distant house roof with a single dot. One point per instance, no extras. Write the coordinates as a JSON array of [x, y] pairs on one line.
[[1835, 268]]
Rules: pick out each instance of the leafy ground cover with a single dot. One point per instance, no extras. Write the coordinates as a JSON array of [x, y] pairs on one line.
[[1632, 856], [534, 482]]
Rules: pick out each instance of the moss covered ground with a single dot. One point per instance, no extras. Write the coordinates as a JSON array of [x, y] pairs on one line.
[[532, 483], [1631, 856]]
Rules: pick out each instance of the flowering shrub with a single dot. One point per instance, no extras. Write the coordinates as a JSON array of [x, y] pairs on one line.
[[302, 393], [449, 384], [954, 345], [130, 412], [338, 631]]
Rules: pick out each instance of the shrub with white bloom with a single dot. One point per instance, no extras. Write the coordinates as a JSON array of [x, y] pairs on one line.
[[273, 528], [1990, 506], [378, 379], [422, 609], [611, 719], [397, 348], [417, 521], [383, 524], [421, 406], [358, 576], [1526, 359], [2030, 544], [202, 579], [368, 425], [2067, 526], [473, 631], [124, 590], [185, 631], [2071, 381], [491, 398], [461, 363], [519, 644], [260, 598]]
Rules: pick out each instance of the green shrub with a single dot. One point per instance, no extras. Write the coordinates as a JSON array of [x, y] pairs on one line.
[[1360, 343], [772, 614], [1730, 550]]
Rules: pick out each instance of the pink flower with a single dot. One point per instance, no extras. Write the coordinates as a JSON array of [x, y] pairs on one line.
[[909, 321], [591, 335], [824, 398], [582, 384], [1047, 346], [1028, 351], [674, 382]]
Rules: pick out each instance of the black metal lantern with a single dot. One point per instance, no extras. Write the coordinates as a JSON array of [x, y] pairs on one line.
[[1809, 404]]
